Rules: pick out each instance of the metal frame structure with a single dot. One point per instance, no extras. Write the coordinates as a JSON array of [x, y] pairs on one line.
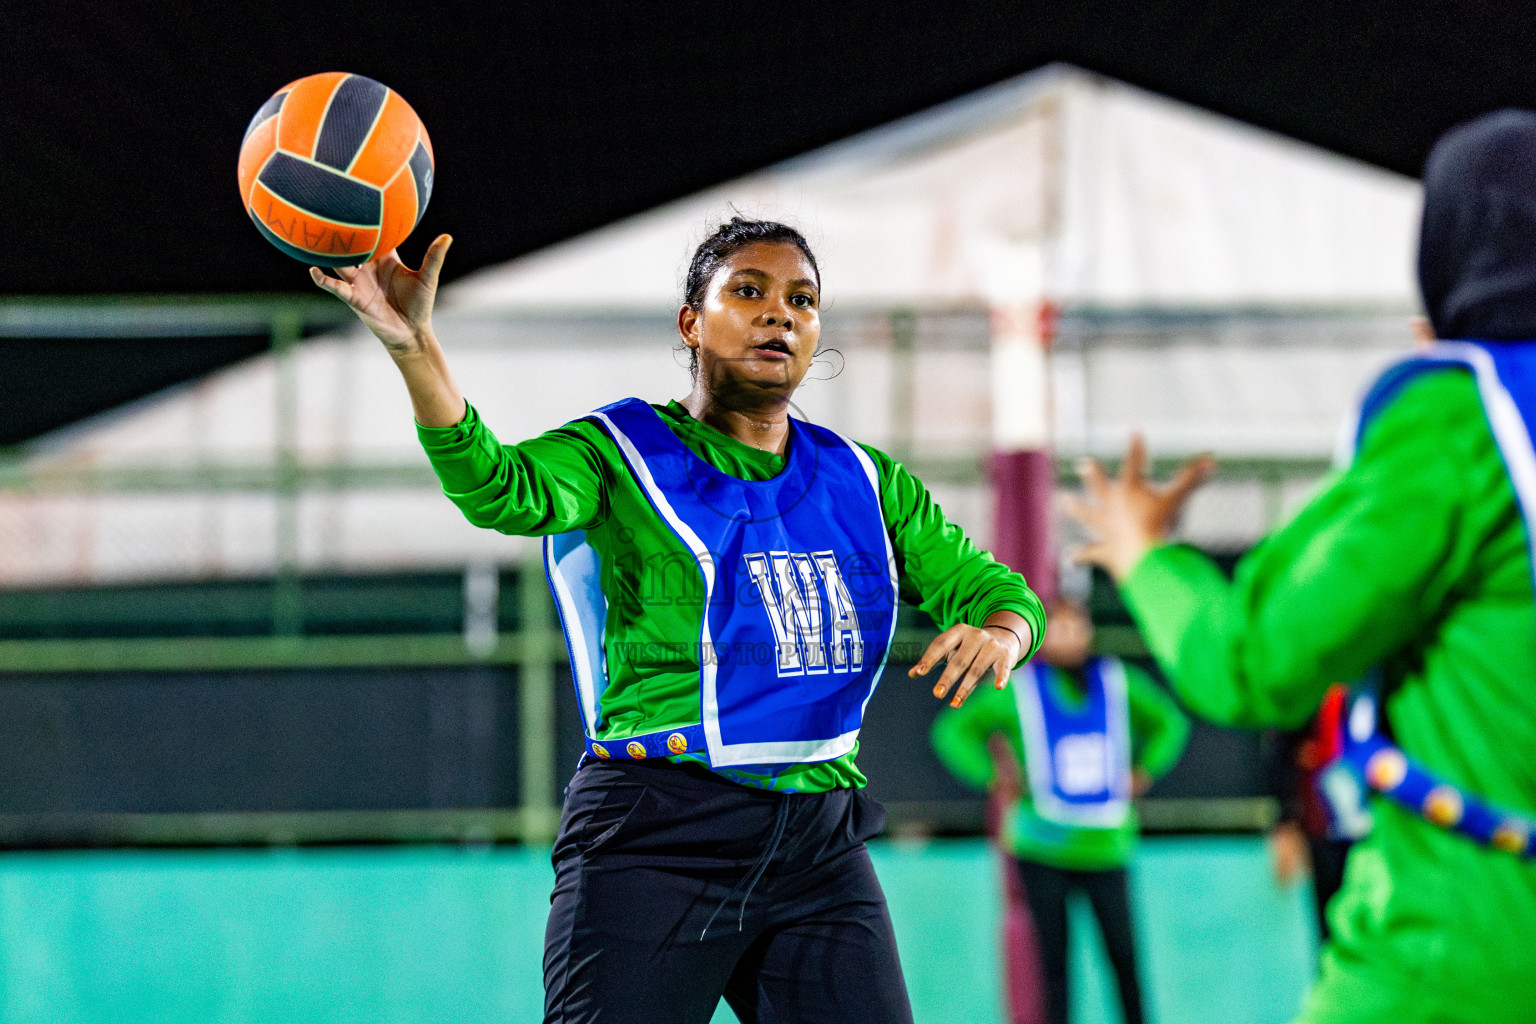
[[535, 648]]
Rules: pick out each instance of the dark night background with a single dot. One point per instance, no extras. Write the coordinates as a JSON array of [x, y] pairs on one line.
[[121, 121]]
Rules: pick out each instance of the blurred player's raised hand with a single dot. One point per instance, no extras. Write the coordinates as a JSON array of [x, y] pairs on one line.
[[391, 298], [1129, 514]]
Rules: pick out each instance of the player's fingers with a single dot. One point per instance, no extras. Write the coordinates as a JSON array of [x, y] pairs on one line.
[[340, 289], [986, 659], [1002, 672], [1135, 465], [938, 649], [1095, 482], [949, 676], [1190, 475], [960, 662], [432, 262], [946, 646]]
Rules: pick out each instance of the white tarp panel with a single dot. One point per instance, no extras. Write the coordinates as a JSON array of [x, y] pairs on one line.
[[1135, 200], [1166, 205]]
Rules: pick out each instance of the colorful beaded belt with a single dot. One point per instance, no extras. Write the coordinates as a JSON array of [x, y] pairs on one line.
[[1388, 771]]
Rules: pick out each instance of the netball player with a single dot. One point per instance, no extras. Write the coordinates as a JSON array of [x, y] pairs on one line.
[[1413, 568], [728, 577], [1067, 749]]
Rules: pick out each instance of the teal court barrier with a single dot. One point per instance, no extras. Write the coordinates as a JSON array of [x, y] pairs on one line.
[[427, 933]]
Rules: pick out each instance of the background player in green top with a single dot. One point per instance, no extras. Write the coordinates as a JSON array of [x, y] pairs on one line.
[[1414, 564], [983, 744], [728, 577]]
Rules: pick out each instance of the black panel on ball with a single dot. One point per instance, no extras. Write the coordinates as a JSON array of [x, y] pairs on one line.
[[354, 107], [321, 192], [268, 109], [421, 170]]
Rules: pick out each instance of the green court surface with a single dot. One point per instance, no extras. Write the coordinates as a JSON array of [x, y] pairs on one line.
[[397, 934]]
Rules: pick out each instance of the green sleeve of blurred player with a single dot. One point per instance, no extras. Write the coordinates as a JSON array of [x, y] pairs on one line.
[[1159, 730], [960, 737], [1415, 559], [573, 478]]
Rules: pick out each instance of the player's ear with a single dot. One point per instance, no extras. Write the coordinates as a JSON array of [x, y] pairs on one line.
[[688, 325]]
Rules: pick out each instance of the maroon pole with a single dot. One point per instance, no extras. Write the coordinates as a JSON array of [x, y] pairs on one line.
[[1022, 467], [1023, 485]]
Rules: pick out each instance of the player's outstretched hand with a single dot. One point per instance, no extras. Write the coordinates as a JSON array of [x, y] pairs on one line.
[[969, 652], [391, 298], [1129, 514]]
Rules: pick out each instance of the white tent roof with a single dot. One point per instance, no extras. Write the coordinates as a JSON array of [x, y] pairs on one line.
[[1098, 193]]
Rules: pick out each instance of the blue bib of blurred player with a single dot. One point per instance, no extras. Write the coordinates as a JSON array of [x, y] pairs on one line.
[[1078, 755], [798, 594]]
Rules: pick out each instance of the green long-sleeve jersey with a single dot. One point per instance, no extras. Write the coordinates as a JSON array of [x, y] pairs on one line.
[[1159, 731], [573, 478], [1415, 559]]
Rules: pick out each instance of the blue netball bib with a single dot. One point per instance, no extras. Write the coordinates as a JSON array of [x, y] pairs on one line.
[[1078, 756], [799, 595], [1506, 382]]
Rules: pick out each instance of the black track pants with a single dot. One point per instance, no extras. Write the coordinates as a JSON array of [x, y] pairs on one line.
[[674, 887], [1045, 889], [1328, 857]]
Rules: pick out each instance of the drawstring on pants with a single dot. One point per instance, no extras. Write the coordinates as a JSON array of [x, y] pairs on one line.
[[755, 873]]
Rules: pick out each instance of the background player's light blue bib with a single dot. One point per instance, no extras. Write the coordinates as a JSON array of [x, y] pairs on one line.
[[1506, 381], [799, 593], [1078, 757]]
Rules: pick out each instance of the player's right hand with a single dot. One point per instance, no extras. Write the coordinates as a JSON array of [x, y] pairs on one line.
[[968, 652], [391, 298]]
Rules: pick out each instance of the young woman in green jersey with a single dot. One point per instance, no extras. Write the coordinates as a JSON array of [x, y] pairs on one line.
[[722, 702]]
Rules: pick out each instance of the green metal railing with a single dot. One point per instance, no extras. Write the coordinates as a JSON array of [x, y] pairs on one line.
[[167, 316]]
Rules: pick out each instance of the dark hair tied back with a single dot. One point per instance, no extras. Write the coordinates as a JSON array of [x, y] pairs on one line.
[[730, 238]]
